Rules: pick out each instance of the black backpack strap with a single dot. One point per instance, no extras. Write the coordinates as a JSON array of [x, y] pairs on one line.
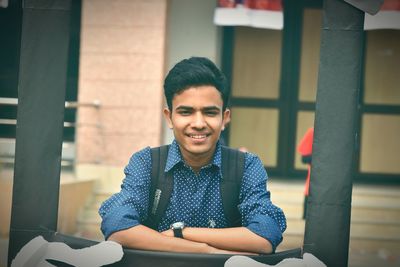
[[160, 187], [232, 174]]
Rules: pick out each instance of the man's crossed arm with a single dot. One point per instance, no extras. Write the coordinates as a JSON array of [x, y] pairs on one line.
[[238, 240]]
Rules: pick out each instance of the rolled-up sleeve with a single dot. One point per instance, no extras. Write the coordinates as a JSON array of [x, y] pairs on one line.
[[128, 207], [259, 215]]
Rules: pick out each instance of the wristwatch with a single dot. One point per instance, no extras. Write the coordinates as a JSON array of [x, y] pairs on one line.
[[177, 228]]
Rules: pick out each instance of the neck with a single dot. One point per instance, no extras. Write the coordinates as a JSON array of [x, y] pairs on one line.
[[197, 161]]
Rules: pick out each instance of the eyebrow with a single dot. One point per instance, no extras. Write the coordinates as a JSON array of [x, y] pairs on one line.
[[184, 107], [209, 108], [212, 108]]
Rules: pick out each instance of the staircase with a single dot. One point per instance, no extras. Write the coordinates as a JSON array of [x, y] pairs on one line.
[[375, 221], [89, 220]]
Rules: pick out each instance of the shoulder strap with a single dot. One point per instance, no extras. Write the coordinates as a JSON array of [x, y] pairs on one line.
[[160, 187], [232, 174]]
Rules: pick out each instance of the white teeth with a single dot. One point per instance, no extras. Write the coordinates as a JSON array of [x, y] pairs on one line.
[[198, 136]]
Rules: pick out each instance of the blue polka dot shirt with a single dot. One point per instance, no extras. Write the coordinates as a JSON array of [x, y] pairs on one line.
[[195, 199]]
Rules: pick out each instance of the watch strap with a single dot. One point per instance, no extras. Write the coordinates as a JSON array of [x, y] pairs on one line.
[[178, 232]]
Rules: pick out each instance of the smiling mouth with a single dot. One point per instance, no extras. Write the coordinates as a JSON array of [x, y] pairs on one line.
[[198, 136]]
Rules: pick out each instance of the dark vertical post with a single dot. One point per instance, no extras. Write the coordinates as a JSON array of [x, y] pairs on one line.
[[40, 116], [329, 207], [228, 42]]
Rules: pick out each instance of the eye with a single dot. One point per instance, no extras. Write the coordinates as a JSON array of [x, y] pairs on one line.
[[184, 112], [212, 113]]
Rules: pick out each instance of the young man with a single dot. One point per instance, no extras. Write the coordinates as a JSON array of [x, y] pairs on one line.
[[197, 94]]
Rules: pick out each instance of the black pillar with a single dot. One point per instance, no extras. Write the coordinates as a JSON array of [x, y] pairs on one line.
[[40, 116], [329, 207]]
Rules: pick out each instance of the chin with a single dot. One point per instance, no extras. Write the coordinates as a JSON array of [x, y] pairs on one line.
[[198, 149]]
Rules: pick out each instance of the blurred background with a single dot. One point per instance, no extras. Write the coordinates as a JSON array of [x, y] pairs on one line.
[[119, 53]]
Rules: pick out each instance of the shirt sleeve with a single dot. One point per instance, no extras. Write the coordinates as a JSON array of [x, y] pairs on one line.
[[129, 207], [259, 215]]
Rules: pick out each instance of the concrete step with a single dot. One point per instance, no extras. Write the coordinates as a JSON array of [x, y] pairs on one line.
[[297, 187], [357, 230], [358, 214], [375, 221], [370, 204], [89, 216], [356, 244], [90, 231], [359, 199], [291, 210], [375, 215], [98, 198]]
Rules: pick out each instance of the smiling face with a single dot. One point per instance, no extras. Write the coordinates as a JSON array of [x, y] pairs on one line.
[[197, 120]]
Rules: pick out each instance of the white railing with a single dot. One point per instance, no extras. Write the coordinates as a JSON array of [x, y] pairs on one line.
[[7, 145]]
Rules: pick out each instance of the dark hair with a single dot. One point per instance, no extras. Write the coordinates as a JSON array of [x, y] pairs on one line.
[[195, 71]]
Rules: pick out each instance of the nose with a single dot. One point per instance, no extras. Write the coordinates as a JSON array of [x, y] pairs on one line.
[[198, 121]]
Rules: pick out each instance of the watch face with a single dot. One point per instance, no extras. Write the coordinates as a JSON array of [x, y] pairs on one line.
[[178, 225]]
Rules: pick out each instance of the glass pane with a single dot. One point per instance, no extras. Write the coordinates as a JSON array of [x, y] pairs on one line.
[[382, 67], [257, 130], [380, 144], [310, 47], [305, 120], [257, 63]]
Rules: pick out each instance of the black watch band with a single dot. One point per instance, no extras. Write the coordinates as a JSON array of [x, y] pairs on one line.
[[177, 228], [178, 232]]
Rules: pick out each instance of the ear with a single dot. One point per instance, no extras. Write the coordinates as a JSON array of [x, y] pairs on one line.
[[226, 118], [167, 116]]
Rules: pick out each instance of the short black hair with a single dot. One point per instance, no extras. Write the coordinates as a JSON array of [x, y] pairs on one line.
[[195, 71]]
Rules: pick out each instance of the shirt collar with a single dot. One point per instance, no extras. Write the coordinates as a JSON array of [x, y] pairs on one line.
[[175, 156]]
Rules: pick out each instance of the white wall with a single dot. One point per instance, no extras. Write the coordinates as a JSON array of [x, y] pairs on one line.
[[190, 32]]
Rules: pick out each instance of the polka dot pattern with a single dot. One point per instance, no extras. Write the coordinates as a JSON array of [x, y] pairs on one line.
[[195, 199]]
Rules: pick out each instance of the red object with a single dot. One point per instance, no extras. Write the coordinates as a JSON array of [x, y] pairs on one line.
[[227, 3], [393, 5], [305, 146], [305, 149], [273, 5]]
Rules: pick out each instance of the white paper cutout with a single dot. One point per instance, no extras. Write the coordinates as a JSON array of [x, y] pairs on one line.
[[37, 251], [308, 260]]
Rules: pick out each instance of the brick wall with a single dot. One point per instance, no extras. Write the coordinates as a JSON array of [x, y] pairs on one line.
[[122, 66]]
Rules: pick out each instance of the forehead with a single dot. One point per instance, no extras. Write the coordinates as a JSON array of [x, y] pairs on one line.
[[198, 96]]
